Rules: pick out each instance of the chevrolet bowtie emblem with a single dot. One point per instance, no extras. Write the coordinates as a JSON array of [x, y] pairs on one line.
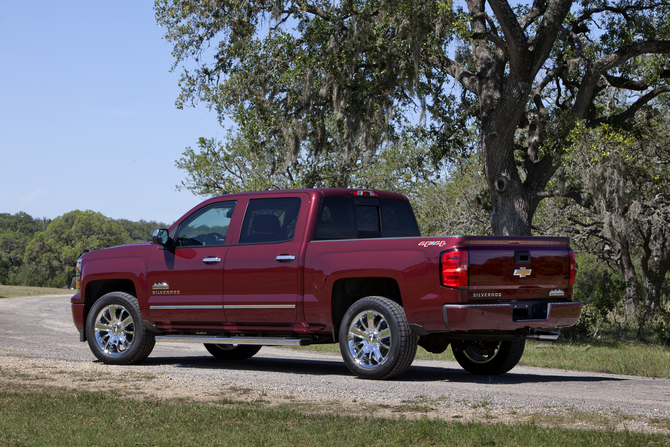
[[522, 272]]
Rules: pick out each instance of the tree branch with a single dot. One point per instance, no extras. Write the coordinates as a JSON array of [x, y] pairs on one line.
[[574, 195], [625, 83], [468, 80], [632, 110], [587, 89], [512, 30], [550, 26], [587, 14], [630, 51], [539, 7]]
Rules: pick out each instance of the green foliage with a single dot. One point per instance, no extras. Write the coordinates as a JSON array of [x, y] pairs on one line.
[[456, 204], [620, 175], [22, 222], [42, 252], [12, 250], [602, 291], [51, 256], [140, 231]]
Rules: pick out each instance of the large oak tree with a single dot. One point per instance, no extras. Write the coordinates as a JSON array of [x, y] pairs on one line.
[[322, 77]]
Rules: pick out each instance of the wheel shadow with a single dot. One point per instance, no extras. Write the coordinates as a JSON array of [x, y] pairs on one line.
[[416, 373]]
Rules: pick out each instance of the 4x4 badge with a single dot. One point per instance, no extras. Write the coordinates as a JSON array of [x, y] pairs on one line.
[[522, 272]]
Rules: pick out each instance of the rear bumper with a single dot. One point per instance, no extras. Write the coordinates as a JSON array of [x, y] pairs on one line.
[[510, 316]]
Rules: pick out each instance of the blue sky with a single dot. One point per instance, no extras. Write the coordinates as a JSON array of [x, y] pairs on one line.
[[87, 115]]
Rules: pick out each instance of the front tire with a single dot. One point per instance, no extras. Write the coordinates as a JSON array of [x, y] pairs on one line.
[[488, 357], [232, 352], [375, 339], [116, 333]]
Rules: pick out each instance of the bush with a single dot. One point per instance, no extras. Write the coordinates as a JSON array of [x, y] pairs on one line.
[[602, 291]]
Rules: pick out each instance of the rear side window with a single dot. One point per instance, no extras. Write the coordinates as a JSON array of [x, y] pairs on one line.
[[365, 217], [270, 220]]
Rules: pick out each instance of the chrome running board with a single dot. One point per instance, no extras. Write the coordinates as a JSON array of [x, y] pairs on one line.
[[268, 341]]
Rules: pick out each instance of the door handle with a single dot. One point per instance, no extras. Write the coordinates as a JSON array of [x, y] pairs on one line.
[[211, 260], [285, 258]]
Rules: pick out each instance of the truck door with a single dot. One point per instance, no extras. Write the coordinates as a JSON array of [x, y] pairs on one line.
[[262, 270], [185, 284]]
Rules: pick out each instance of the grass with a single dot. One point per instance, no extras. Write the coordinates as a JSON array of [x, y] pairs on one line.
[[24, 291], [617, 357], [53, 417]]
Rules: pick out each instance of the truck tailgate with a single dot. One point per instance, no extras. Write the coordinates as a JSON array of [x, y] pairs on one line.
[[517, 268]]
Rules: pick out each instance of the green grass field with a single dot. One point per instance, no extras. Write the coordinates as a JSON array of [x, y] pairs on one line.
[[618, 357], [23, 291], [52, 417]]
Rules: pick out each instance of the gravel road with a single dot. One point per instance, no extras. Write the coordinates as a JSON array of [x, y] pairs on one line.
[[37, 337]]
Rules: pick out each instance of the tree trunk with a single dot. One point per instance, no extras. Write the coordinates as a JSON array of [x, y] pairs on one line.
[[512, 211], [655, 265]]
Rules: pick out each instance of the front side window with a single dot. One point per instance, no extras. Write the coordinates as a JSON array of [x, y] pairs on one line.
[[270, 220], [207, 226]]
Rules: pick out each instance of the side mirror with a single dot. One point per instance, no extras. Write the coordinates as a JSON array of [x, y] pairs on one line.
[[162, 237]]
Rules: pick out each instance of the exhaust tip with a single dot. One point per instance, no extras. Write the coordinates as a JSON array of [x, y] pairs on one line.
[[545, 336]]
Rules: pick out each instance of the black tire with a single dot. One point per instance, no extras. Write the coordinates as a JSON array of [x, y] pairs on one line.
[[115, 332], [488, 357], [232, 352], [375, 339]]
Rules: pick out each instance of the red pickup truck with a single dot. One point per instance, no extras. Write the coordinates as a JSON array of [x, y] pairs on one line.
[[302, 267]]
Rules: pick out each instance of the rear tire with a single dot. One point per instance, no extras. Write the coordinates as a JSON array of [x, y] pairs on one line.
[[115, 331], [488, 357], [375, 339], [232, 352]]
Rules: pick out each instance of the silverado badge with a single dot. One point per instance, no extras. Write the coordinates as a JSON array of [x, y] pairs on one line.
[[522, 272], [160, 286], [556, 292]]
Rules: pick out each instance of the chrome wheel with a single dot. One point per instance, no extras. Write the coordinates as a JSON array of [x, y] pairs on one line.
[[114, 329], [488, 357], [375, 339], [115, 332], [369, 339]]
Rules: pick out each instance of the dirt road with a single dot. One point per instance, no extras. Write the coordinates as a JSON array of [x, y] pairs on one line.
[[39, 343]]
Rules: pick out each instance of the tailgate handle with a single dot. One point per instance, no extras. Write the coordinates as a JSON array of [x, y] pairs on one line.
[[522, 257]]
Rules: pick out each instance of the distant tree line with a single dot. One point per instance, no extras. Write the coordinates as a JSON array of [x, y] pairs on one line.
[[43, 252]]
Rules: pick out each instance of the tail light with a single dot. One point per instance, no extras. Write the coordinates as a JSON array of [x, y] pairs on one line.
[[454, 267], [78, 276], [573, 268]]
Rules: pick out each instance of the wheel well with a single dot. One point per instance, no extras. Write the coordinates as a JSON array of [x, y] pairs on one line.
[[348, 290], [97, 289]]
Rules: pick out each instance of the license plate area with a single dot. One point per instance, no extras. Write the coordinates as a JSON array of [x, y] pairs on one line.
[[530, 311]]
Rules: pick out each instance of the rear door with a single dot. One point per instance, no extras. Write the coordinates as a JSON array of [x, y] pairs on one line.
[[262, 269]]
